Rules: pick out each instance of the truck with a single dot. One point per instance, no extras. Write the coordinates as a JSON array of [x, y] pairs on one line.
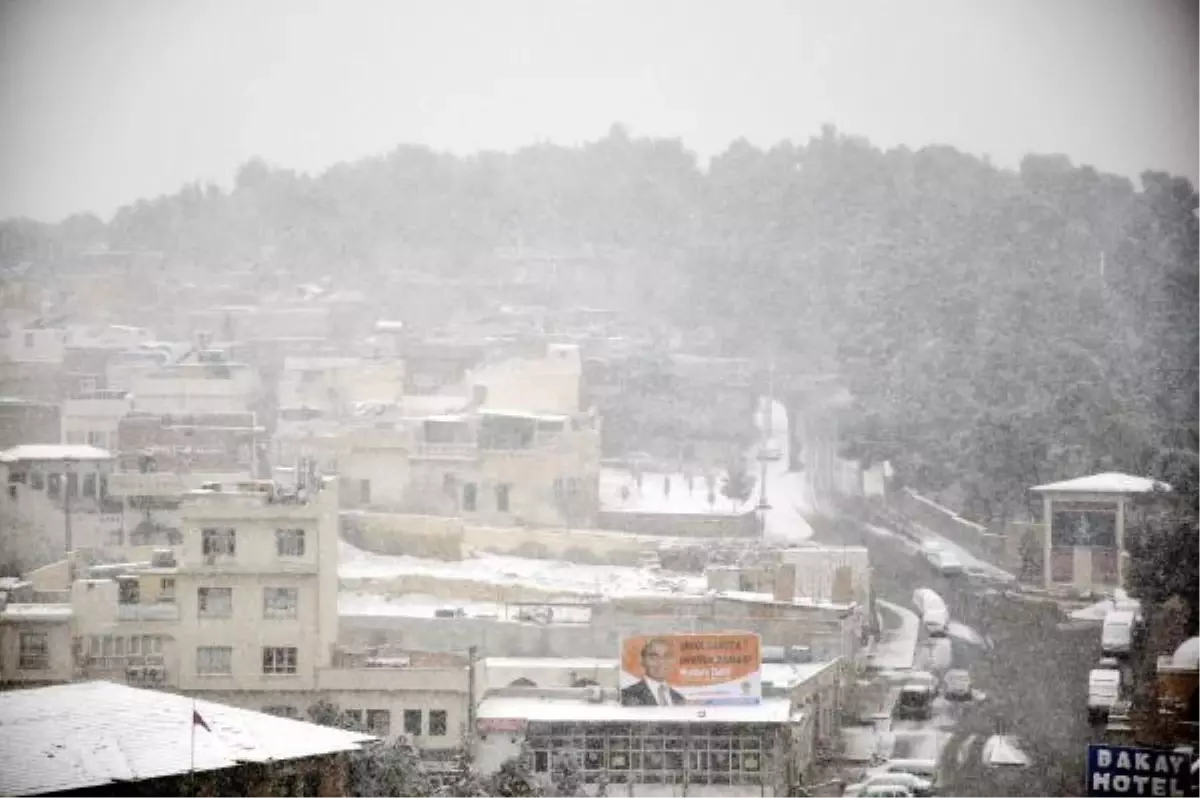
[[934, 615], [1104, 689]]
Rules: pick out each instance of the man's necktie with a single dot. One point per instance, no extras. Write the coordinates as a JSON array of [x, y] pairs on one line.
[[664, 698]]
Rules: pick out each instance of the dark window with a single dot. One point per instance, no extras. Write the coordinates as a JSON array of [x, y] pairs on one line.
[[279, 660], [37, 480], [89, 486], [379, 721], [437, 722], [218, 542], [469, 497], [289, 542], [502, 498], [412, 722], [541, 761], [72, 484], [53, 485]]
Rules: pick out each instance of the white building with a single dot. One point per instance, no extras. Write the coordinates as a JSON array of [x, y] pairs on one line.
[[209, 384], [244, 611], [92, 418]]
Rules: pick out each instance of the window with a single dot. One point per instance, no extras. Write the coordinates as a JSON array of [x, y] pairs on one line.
[[129, 591], [379, 721], [53, 485], [412, 722], [437, 723], [89, 486], [282, 711], [289, 542], [214, 660], [34, 651], [502, 498], [214, 602], [37, 480], [219, 542], [279, 660], [355, 715], [469, 496], [541, 761], [364, 491], [97, 439], [167, 591], [72, 484], [279, 603]]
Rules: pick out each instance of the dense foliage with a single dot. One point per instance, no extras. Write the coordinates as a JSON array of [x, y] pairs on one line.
[[997, 328]]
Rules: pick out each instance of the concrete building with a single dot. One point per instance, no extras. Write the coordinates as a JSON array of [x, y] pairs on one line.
[[502, 468], [93, 417], [205, 382], [100, 738], [547, 384], [58, 495], [333, 385], [207, 442], [28, 421], [243, 610]]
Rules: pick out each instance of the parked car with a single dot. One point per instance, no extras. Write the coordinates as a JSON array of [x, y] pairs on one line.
[[864, 790], [956, 685], [914, 784], [945, 562], [924, 768], [1116, 636]]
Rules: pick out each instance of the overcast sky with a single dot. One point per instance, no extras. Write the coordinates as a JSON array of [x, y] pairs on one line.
[[106, 101]]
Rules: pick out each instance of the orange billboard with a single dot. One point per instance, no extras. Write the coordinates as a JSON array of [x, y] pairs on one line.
[[675, 669]]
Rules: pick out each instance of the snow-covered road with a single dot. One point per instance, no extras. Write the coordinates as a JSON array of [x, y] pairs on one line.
[[789, 493]]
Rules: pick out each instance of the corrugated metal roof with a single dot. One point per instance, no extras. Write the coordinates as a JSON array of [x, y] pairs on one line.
[[87, 734]]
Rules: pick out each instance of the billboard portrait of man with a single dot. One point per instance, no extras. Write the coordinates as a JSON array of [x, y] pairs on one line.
[[658, 659]]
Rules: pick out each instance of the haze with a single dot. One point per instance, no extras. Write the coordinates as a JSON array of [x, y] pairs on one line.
[[107, 102]]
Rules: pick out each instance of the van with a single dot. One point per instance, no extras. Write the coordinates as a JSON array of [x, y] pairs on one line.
[[1104, 687], [1116, 636]]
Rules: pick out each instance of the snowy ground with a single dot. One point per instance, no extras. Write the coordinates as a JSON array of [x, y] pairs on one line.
[[653, 496], [415, 605], [551, 575], [788, 493], [897, 647]]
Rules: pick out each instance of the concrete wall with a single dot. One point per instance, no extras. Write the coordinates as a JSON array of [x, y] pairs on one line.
[[60, 663], [451, 538], [977, 539], [691, 525]]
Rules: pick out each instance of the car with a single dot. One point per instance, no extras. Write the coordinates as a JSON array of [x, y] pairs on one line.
[[923, 768], [866, 790], [956, 685], [945, 562], [915, 784]]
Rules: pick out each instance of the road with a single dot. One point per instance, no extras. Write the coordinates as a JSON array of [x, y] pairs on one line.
[[1033, 676]]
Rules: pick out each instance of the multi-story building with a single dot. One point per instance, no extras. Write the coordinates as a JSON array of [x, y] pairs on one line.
[[243, 611], [205, 382], [490, 466], [92, 417], [333, 385], [220, 442], [29, 421], [58, 497]]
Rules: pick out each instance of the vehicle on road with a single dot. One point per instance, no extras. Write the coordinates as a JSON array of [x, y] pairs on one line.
[[1116, 636], [945, 562], [1103, 690], [916, 697], [956, 685], [864, 790], [922, 768], [934, 615], [941, 654], [914, 784]]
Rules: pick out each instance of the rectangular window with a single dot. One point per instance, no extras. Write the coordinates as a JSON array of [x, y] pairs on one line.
[[53, 485], [412, 722], [97, 439], [34, 651], [89, 486], [219, 542], [279, 660], [279, 603], [379, 722], [37, 480], [129, 591], [289, 542], [502, 498], [470, 494], [437, 723], [72, 484], [135, 646], [167, 591], [214, 602], [355, 715], [214, 660], [541, 761]]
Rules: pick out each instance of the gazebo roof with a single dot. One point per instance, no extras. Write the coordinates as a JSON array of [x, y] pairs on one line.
[[1109, 482]]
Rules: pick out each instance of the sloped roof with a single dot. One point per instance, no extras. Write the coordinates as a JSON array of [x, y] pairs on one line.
[[1109, 482], [87, 734]]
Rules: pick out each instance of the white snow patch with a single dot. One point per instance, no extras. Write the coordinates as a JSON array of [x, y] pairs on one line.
[[1003, 750], [896, 648], [960, 631]]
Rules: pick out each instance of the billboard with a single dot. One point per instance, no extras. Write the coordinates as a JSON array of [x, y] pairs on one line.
[[1125, 770], [698, 669]]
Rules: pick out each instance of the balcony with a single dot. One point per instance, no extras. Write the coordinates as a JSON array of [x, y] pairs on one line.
[[159, 611]]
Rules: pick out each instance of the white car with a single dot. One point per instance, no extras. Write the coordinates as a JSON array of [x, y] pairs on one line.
[[945, 562], [956, 685], [913, 783], [864, 790]]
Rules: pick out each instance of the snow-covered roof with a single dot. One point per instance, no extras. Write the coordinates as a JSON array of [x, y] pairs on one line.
[[1109, 482], [37, 612], [88, 734], [524, 414], [787, 675], [53, 451], [574, 663], [770, 710], [1004, 750]]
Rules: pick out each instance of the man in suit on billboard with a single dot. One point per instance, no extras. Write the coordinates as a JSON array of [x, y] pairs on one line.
[[653, 689]]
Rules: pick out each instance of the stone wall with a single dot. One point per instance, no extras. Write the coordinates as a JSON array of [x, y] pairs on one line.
[[684, 525]]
